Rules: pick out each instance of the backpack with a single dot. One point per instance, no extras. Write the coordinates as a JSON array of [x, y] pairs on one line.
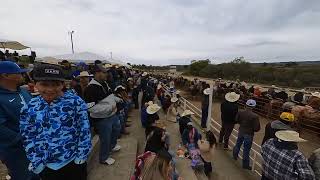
[[195, 155]]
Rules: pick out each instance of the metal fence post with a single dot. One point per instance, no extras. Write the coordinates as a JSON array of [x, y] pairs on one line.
[[210, 107], [184, 104]]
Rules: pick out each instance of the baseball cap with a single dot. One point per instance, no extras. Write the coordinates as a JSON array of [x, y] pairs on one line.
[[251, 103], [8, 67], [286, 116], [48, 72]]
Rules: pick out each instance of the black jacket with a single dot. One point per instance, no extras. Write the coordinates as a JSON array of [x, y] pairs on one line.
[[96, 91], [228, 112]]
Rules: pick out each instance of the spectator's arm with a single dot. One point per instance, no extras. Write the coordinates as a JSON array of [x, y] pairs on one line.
[[303, 169], [8, 137], [257, 124], [237, 119], [84, 139], [28, 130]]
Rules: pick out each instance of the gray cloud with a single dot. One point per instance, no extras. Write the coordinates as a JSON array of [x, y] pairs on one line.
[[167, 31]]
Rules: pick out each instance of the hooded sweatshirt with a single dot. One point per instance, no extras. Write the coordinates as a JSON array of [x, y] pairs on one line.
[[10, 105]]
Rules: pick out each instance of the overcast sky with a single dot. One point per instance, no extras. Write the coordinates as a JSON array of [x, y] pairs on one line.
[[167, 31]]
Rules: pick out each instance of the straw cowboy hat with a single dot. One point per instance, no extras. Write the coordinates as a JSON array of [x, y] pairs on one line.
[[107, 65], [289, 136], [174, 99], [153, 108], [144, 74], [206, 91], [148, 103], [286, 116], [316, 94], [85, 74], [186, 113], [232, 97], [273, 86]]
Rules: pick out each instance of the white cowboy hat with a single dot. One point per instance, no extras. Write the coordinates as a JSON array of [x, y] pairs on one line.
[[174, 99], [177, 92], [130, 79], [316, 94], [120, 86], [85, 74], [159, 86], [186, 113], [153, 108], [107, 65], [144, 74], [273, 86], [289, 136], [206, 91], [232, 97]]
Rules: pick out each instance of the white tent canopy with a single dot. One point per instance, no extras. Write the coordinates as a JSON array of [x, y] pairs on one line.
[[48, 59], [82, 56], [15, 45]]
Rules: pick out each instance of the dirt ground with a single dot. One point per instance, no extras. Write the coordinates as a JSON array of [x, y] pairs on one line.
[[307, 148]]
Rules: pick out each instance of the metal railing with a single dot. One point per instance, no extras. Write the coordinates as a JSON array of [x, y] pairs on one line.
[[255, 155]]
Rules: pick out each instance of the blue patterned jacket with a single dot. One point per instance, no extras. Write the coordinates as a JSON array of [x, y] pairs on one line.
[[57, 133]]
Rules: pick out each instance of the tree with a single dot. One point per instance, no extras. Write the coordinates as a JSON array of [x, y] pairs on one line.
[[196, 67]]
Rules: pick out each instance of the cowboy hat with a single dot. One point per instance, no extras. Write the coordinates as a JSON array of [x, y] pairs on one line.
[[130, 79], [177, 92], [206, 91], [159, 86], [232, 97], [316, 94], [120, 86], [286, 116], [289, 136], [144, 74], [273, 86], [251, 103], [107, 65], [85, 74], [174, 99], [148, 103], [153, 108], [186, 113]]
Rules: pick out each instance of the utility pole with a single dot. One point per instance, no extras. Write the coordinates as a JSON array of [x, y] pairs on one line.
[[71, 33]]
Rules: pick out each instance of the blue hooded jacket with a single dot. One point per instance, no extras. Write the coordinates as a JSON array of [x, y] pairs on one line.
[[10, 105]]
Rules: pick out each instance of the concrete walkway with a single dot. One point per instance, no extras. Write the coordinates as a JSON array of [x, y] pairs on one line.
[[225, 168]]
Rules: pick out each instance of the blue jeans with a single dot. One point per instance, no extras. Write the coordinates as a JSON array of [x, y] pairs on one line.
[[108, 130], [123, 121], [17, 163], [247, 143], [204, 117]]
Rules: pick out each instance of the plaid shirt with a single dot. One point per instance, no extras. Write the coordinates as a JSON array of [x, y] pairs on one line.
[[284, 164]]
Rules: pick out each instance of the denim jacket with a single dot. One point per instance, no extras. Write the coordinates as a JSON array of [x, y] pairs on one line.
[[57, 133]]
